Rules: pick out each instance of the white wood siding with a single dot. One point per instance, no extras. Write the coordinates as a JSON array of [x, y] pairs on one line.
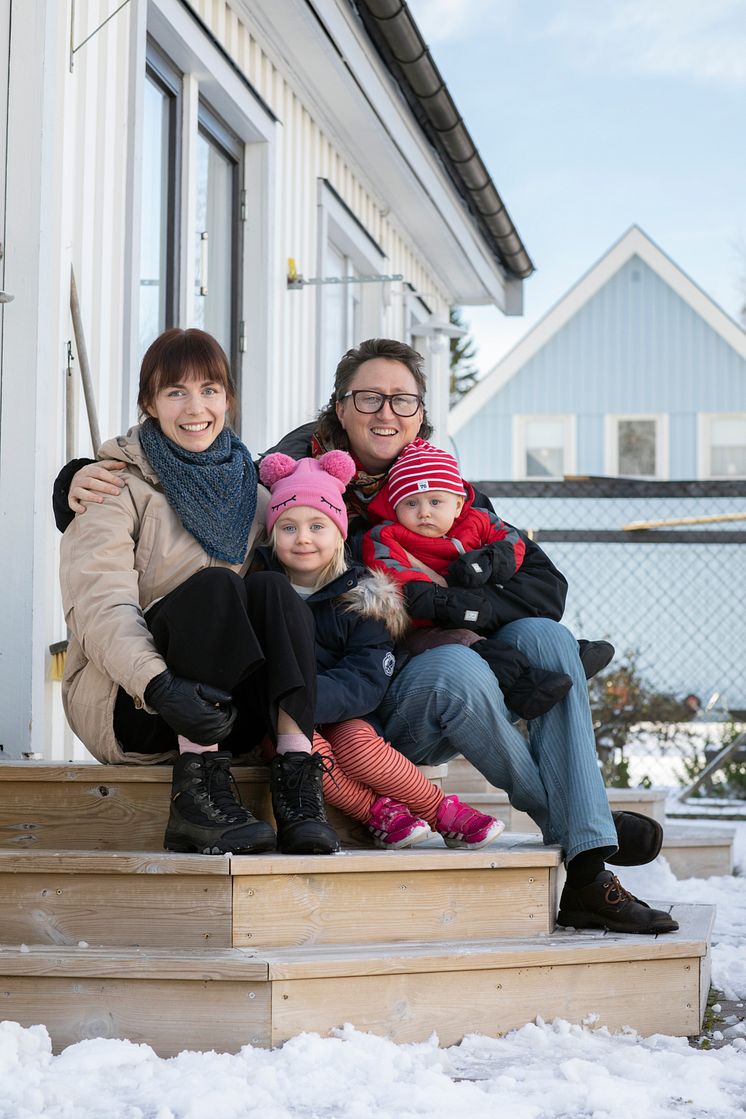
[[83, 193]]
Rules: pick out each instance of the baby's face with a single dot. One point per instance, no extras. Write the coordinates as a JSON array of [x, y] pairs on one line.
[[430, 513]]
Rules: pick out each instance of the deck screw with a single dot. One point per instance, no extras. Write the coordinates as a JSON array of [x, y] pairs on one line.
[[252, 994], [286, 996]]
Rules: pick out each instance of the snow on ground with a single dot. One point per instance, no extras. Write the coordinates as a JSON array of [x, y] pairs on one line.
[[542, 1071]]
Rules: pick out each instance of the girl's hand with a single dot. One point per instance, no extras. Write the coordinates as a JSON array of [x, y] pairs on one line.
[[92, 482]]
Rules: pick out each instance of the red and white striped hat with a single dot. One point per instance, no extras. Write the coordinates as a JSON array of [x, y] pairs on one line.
[[421, 467]]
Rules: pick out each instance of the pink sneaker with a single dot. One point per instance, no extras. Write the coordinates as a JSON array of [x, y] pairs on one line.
[[462, 826], [394, 826]]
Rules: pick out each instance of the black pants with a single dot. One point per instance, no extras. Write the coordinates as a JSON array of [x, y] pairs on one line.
[[252, 637]]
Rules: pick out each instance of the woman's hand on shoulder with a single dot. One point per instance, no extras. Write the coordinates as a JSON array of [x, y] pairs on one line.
[[93, 482]]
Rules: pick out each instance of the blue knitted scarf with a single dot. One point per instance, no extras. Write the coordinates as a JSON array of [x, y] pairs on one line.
[[213, 492]]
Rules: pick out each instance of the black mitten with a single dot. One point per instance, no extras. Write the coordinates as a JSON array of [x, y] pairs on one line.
[[200, 712], [473, 569], [451, 606]]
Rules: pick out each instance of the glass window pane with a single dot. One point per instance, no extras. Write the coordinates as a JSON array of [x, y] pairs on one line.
[[213, 288], [636, 447], [154, 214], [545, 449], [728, 446]]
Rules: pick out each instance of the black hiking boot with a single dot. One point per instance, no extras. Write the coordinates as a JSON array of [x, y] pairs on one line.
[[298, 805], [206, 813], [605, 904], [595, 655]]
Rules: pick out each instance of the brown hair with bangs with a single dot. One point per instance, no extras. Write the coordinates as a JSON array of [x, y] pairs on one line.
[[179, 355]]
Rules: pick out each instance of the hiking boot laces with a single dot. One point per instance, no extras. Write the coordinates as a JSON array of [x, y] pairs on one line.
[[302, 796], [615, 893], [223, 793]]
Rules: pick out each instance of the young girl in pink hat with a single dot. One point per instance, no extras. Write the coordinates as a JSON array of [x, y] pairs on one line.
[[359, 616]]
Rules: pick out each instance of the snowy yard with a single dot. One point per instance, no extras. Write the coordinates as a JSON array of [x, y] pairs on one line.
[[542, 1071]]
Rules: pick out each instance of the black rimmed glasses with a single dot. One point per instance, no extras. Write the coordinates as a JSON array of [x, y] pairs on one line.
[[401, 403]]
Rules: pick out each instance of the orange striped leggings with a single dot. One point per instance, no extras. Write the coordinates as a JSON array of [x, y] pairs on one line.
[[366, 767]]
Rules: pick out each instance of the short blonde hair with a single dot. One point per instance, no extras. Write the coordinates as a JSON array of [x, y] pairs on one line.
[[336, 566]]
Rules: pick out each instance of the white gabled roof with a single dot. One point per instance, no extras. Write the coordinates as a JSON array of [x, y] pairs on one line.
[[633, 243]]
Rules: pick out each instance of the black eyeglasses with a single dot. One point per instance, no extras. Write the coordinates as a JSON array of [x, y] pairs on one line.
[[401, 403]]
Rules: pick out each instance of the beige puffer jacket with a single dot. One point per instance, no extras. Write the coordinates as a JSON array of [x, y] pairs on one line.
[[117, 559]]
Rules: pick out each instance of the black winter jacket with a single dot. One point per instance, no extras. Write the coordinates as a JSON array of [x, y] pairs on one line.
[[358, 616]]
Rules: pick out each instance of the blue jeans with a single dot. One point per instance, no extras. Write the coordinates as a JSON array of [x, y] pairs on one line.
[[447, 702]]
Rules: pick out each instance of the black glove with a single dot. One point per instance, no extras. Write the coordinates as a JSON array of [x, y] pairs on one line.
[[473, 569], [200, 712], [451, 606]]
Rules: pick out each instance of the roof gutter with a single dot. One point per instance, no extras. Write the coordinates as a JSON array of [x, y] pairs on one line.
[[402, 48]]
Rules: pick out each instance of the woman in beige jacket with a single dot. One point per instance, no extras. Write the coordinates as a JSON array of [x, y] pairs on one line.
[[175, 652]]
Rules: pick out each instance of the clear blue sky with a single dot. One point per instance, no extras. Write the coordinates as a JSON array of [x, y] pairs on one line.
[[594, 115]]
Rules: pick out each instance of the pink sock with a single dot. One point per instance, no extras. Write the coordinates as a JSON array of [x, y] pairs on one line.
[[293, 744], [188, 747]]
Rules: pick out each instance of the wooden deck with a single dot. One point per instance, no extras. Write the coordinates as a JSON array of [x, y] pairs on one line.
[[192, 951]]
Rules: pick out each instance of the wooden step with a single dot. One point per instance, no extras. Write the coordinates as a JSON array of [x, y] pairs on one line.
[[175, 999], [691, 851], [159, 899], [698, 852], [88, 806]]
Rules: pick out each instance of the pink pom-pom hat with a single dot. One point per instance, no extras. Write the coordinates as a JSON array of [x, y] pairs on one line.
[[317, 483]]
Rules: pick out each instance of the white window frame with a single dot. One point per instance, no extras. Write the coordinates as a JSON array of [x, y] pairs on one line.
[[569, 452], [416, 313], [208, 74], [611, 444], [704, 444], [337, 225]]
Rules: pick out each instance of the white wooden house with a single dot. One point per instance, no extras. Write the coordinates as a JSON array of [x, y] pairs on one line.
[[177, 154]]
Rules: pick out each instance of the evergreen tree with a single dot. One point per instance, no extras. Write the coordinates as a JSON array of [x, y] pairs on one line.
[[463, 351]]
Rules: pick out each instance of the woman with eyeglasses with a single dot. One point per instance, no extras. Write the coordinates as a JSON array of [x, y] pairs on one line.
[[446, 702]]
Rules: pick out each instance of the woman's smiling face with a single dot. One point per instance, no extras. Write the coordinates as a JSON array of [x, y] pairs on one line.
[[191, 413], [377, 439]]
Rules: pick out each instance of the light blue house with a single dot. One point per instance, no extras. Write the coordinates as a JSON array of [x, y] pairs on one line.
[[635, 372]]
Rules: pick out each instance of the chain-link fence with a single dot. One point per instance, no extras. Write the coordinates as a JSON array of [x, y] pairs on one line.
[[671, 598]]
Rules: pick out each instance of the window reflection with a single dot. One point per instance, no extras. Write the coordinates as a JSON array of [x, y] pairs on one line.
[[214, 248], [153, 235]]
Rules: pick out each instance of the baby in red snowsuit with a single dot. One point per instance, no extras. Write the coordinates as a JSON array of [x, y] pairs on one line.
[[450, 559]]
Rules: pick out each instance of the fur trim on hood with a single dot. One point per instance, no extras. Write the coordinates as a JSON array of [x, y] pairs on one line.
[[377, 596]]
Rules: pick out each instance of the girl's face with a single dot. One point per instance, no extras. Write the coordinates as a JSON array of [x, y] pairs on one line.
[[305, 543], [191, 413]]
